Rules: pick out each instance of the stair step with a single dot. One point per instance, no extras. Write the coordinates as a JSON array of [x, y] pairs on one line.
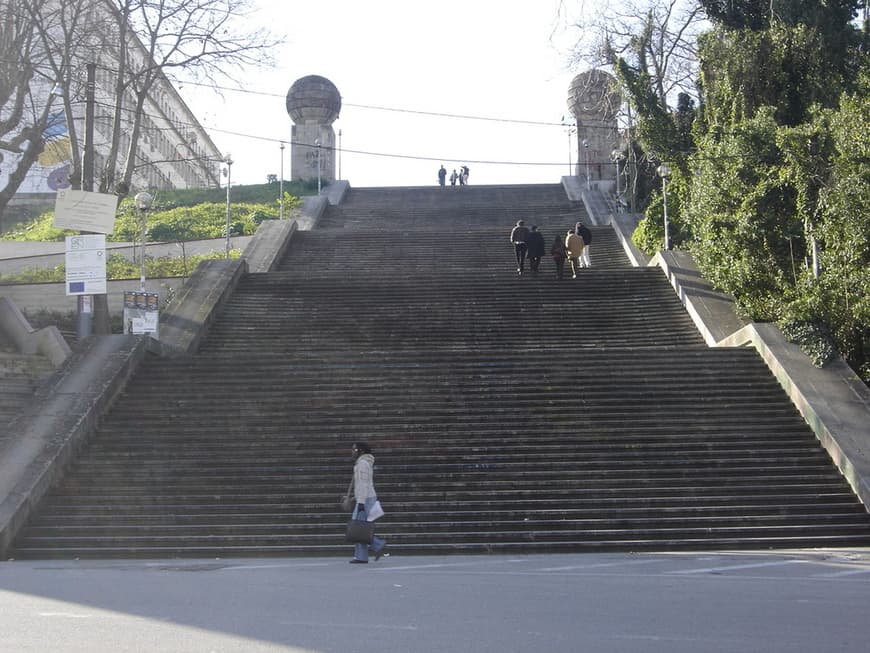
[[509, 413]]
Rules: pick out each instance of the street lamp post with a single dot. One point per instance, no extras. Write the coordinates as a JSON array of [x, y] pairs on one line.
[[664, 171], [588, 177], [143, 203], [229, 170], [570, 130], [616, 157], [281, 184], [317, 145]]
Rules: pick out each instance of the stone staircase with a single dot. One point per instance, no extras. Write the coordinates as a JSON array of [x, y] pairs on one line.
[[20, 375], [507, 413]]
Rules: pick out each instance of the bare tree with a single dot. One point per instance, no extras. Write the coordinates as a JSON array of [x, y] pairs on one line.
[[656, 40], [658, 37], [26, 98], [138, 43], [168, 38], [68, 30]]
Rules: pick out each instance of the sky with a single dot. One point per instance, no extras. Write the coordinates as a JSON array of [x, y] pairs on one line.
[[406, 72]]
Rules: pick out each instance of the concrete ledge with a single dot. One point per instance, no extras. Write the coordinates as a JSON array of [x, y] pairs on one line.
[[311, 211], [711, 310], [599, 209], [573, 188], [47, 341], [833, 400], [269, 245], [336, 191], [624, 225], [55, 425], [191, 313]]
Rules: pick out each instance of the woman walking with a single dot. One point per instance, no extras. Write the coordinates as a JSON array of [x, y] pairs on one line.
[[366, 500]]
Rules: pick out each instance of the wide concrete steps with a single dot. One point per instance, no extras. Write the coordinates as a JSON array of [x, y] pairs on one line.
[[497, 207], [598, 309], [20, 376], [204, 458], [403, 253], [508, 413]]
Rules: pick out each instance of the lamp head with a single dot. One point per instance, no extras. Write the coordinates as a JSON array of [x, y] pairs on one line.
[[143, 200], [664, 171]]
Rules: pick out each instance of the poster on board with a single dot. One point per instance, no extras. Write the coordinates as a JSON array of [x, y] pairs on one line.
[[86, 264]]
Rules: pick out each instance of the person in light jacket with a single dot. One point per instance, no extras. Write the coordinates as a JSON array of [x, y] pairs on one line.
[[574, 245], [583, 231], [365, 497]]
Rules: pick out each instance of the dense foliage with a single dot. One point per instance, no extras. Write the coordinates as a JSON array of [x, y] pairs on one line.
[[771, 189]]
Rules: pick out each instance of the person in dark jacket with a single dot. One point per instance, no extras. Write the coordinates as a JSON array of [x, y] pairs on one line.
[[519, 234], [559, 254], [583, 231], [536, 247]]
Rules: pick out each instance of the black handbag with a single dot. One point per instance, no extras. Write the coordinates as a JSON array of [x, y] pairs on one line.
[[360, 532]]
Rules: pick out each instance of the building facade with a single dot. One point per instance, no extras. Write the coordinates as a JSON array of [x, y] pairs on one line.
[[173, 151]]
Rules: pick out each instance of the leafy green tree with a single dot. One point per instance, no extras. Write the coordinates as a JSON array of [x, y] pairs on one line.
[[840, 295], [779, 67], [741, 215]]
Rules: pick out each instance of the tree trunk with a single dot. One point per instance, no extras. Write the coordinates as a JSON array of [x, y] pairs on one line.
[[16, 177]]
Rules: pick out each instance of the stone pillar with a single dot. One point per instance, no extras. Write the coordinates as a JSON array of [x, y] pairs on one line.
[[594, 103], [313, 103]]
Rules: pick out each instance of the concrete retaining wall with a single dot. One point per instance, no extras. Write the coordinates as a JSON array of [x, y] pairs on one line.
[[47, 341]]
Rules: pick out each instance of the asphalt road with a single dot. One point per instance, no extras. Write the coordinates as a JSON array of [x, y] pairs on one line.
[[813, 601]]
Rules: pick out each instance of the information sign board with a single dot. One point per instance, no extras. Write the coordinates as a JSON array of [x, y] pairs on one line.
[[141, 314], [86, 265], [85, 210]]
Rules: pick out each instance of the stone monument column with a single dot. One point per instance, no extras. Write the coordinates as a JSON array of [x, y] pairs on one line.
[[313, 103], [594, 103]]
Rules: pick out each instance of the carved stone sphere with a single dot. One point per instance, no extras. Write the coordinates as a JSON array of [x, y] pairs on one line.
[[593, 94], [313, 99]]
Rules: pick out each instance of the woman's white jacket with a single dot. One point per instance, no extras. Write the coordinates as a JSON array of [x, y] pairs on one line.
[[363, 478]]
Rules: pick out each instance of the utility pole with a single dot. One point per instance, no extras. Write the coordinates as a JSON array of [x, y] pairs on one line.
[[85, 303], [93, 310], [281, 185]]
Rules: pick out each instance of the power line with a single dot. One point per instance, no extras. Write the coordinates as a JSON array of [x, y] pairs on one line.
[[277, 141], [393, 109]]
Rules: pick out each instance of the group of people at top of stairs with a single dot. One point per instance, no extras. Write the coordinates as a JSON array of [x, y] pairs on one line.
[[574, 246], [461, 176]]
